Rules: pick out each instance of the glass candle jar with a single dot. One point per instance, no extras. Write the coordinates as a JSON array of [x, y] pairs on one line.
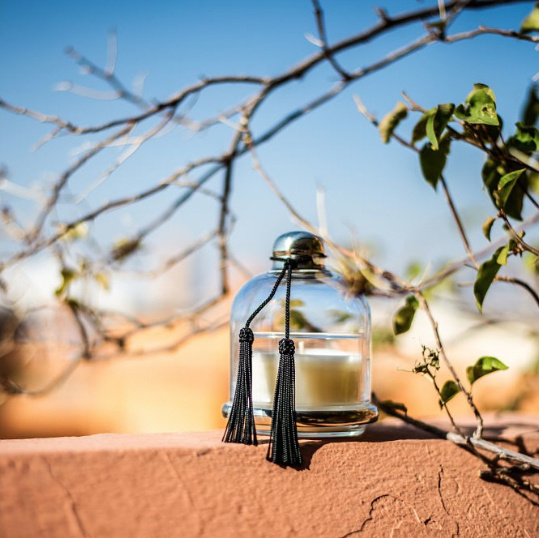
[[332, 334]]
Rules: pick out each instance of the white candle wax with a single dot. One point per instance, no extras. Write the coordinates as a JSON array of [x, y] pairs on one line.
[[323, 377]]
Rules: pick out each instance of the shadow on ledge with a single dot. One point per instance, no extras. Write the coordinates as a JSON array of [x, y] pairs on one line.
[[506, 433]]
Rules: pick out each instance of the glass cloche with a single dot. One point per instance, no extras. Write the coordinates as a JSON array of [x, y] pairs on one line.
[[331, 330]]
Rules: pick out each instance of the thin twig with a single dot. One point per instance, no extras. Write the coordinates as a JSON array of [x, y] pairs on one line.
[[516, 235], [444, 405], [62, 181], [464, 441], [482, 30], [449, 198], [479, 419], [519, 282], [453, 267], [458, 221], [319, 16], [11, 387], [174, 260]]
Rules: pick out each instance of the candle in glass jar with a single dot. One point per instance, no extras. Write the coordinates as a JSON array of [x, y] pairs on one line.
[[331, 331], [323, 377]]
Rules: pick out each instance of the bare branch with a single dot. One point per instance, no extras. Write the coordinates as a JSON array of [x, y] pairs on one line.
[[134, 147], [112, 54], [107, 74], [482, 30], [38, 116], [11, 387], [172, 261], [319, 15], [476, 442], [65, 228], [83, 91], [62, 181], [458, 221]]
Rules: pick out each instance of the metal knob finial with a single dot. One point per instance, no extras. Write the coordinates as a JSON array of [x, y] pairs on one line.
[[305, 248]]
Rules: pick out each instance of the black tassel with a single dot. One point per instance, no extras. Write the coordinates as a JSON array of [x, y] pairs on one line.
[[283, 447], [241, 424], [241, 421]]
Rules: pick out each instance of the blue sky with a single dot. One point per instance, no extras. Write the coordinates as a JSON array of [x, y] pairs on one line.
[[373, 191]]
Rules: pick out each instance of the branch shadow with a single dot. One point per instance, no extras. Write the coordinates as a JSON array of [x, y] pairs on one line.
[[516, 480]]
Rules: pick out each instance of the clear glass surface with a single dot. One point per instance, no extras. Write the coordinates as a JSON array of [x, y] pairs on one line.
[[331, 332]]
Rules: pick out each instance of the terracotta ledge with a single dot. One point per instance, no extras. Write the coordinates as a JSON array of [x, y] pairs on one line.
[[395, 481]]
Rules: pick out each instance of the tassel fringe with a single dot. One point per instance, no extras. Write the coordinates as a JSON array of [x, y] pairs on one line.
[[241, 422], [283, 447]]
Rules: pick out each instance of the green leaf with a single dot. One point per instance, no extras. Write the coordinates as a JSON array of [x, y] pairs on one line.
[[492, 173], [414, 270], [493, 131], [481, 91], [298, 320], [531, 262], [402, 320], [398, 406], [433, 124], [480, 107], [505, 186], [483, 366], [526, 138], [531, 108], [444, 113], [76, 232], [431, 134], [103, 280], [485, 276], [68, 275], [433, 161], [531, 22], [124, 248], [420, 368], [503, 253], [420, 129], [533, 181], [390, 121], [449, 390], [487, 226], [340, 316]]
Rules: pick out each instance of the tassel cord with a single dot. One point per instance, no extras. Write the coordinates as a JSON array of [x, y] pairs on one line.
[[287, 303], [287, 267]]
